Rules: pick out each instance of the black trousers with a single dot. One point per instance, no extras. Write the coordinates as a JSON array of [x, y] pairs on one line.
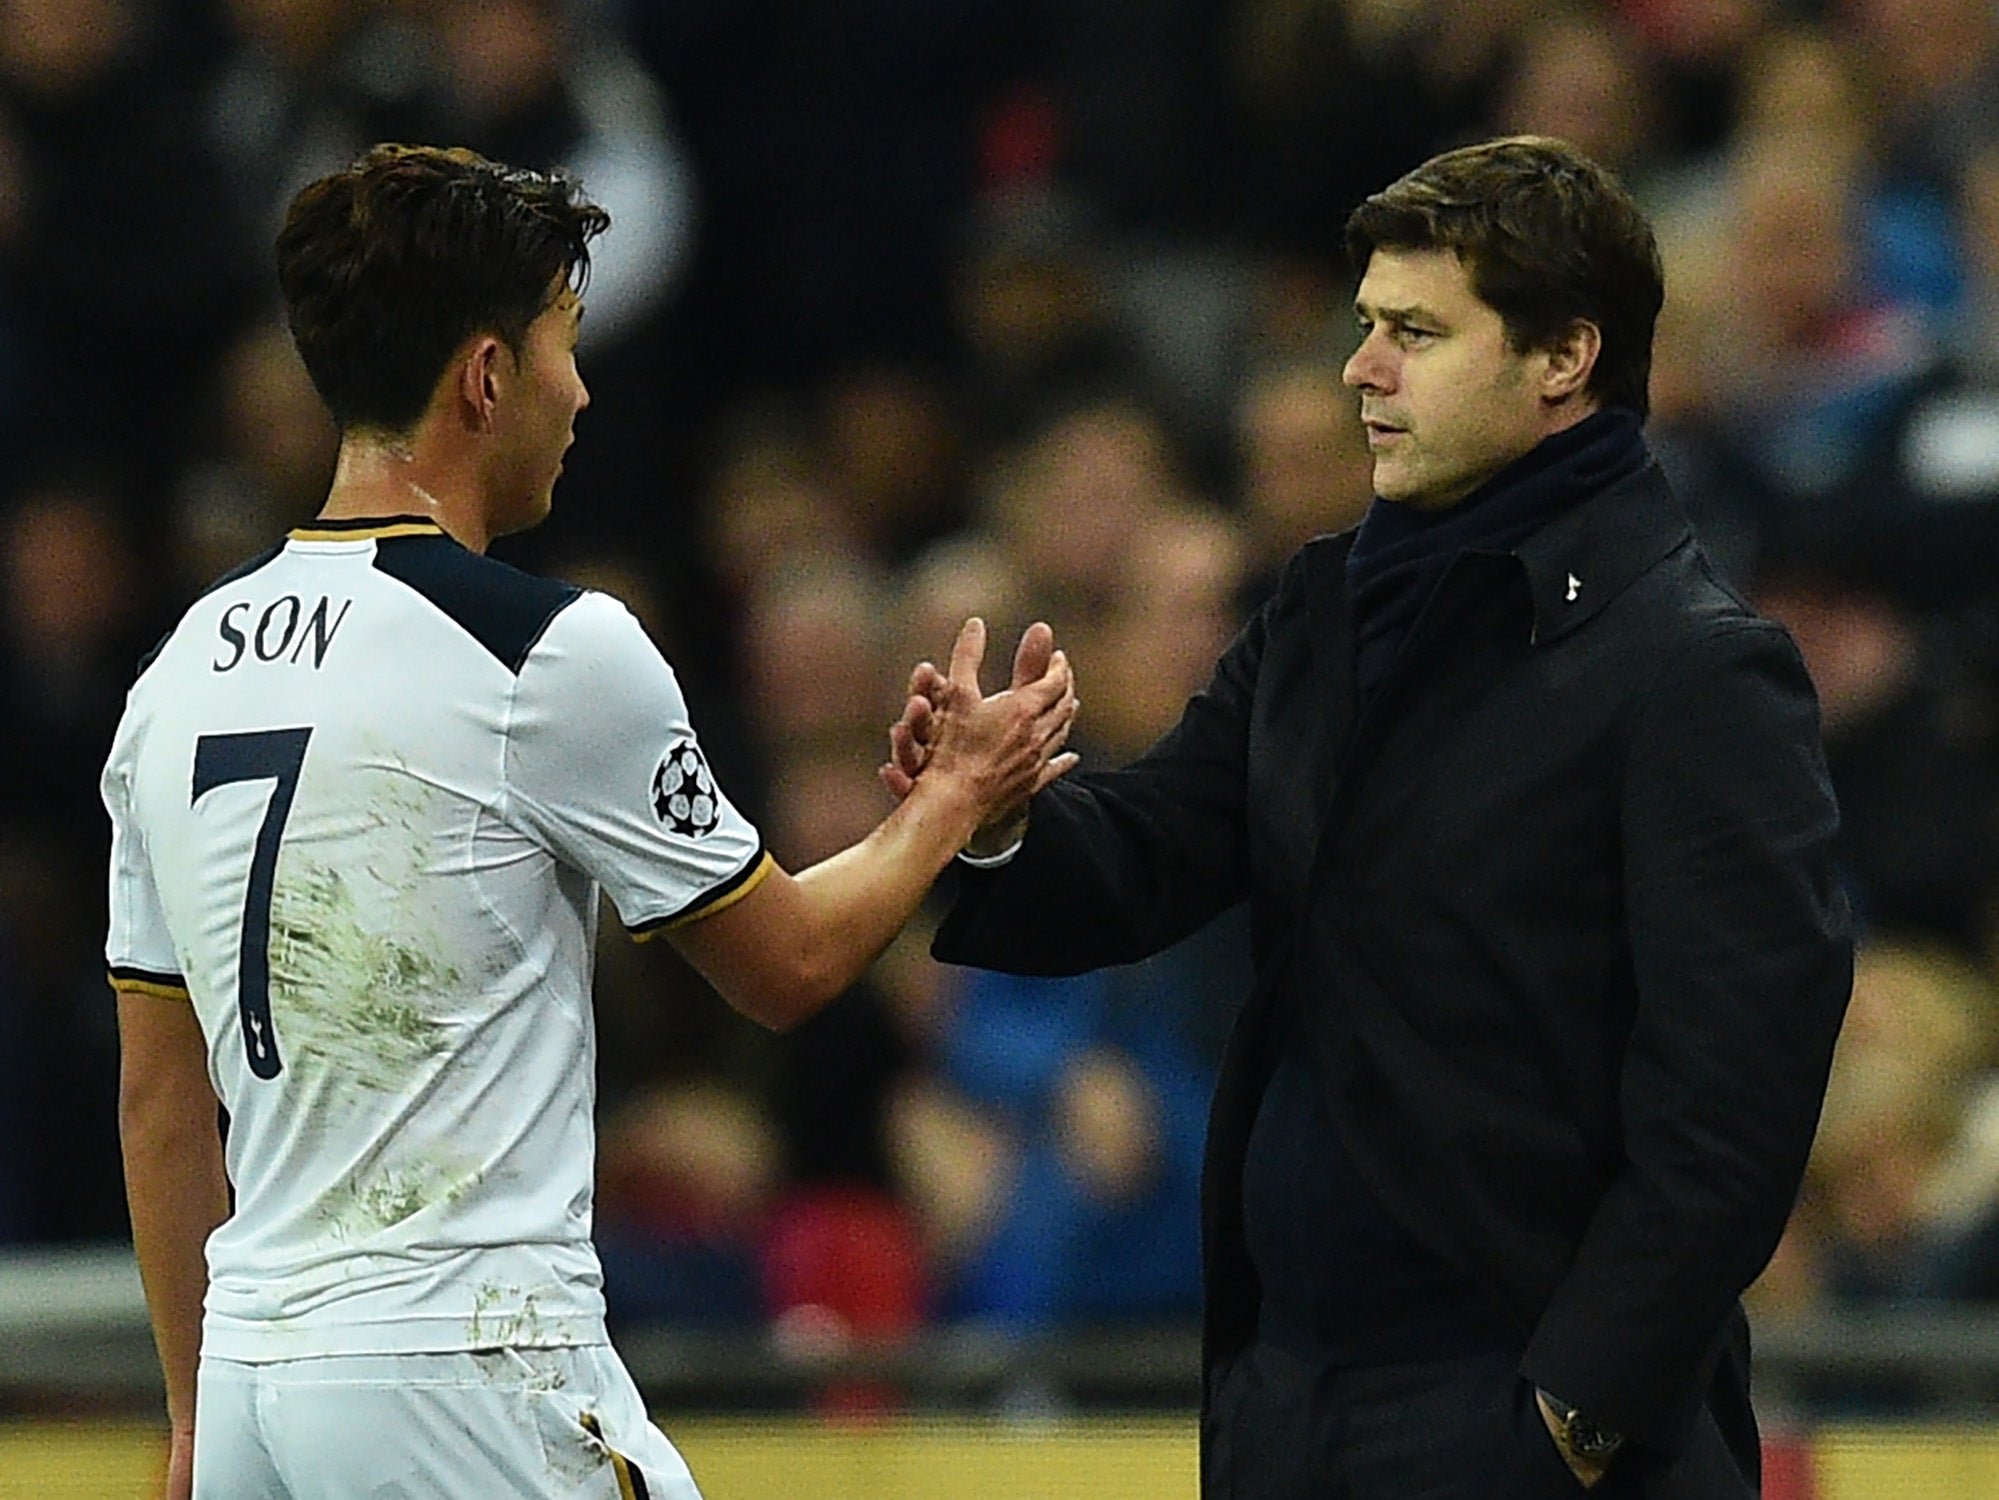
[[1281, 1428]]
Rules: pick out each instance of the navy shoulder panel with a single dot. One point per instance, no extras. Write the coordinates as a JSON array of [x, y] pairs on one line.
[[499, 606], [242, 570]]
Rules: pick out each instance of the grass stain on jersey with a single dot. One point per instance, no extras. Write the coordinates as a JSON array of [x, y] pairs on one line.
[[354, 994], [358, 1209], [364, 1206]]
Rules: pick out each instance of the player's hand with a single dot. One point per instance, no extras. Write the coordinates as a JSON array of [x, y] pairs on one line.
[[1003, 748], [909, 737]]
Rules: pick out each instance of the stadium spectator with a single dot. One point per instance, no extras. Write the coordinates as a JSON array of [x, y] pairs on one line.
[[1911, 761], [1576, 74], [1301, 463], [110, 271], [1900, 1205], [74, 617], [269, 467]]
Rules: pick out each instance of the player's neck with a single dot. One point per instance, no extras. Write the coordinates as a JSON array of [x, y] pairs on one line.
[[380, 477]]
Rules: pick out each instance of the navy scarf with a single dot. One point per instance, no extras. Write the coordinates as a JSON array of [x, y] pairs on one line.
[[1401, 554]]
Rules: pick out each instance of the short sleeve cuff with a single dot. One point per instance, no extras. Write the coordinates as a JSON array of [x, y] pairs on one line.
[[147, 982]]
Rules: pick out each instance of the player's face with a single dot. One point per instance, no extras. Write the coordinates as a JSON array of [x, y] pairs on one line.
[[548, 393], [1446, 401]]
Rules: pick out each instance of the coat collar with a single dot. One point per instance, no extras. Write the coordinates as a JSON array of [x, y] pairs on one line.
[[1583, 559], [1593, 553]]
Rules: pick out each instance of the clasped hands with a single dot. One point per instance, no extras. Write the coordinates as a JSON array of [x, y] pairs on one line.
[[949, 725]]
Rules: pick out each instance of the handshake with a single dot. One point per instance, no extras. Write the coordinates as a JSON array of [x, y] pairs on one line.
[[997, 751]]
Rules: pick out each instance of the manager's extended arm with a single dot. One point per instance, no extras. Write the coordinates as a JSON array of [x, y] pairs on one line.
[[1118, 865]]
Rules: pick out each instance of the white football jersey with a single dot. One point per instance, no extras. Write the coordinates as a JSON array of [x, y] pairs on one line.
[[362, 800]]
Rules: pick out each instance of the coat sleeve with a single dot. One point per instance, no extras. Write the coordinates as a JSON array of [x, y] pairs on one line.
[[1118, 865], [1743, 959]]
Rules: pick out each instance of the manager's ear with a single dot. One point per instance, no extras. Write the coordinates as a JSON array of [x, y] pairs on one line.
[[1569, 361]]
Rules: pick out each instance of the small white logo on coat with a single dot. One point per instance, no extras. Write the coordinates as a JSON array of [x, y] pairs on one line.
[[1575, 588], [683, 792]]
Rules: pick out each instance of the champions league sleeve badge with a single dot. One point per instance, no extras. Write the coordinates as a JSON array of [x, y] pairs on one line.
[[683, 792]]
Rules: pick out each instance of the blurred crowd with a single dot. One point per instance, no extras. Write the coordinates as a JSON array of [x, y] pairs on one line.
[[1034, 309]]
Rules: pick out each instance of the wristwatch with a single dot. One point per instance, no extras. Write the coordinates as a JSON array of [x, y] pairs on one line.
[[1588, 1440]]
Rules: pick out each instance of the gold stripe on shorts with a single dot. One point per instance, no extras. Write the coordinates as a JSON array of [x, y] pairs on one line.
[[631, 1483]]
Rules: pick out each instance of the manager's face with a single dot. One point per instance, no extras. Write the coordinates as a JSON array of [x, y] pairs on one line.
[[1446, 401]]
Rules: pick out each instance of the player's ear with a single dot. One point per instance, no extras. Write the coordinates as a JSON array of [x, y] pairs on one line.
[[478, 381]]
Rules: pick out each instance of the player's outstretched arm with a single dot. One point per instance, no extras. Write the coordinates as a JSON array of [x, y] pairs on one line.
[[795, 942], [176, 1187]]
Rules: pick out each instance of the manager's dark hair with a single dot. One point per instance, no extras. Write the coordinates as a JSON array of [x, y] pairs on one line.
[[389, 266], [1548, 237]]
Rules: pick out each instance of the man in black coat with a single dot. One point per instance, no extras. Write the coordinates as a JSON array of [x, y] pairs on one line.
[[1533, 822]]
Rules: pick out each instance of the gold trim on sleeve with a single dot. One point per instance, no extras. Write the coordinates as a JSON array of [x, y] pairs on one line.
[[149, 987], [721, 903]]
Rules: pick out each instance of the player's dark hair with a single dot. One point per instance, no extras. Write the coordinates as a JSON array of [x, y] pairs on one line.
[[389, 266], [1549, 237]]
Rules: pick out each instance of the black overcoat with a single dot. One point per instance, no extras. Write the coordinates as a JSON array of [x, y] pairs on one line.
[[1557, 908]]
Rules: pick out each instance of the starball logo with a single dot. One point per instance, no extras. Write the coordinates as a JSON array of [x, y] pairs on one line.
[[683, 792]]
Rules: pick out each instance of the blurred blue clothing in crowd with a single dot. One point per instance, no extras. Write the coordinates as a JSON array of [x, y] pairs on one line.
[[1911, 251], [1064, 1251]]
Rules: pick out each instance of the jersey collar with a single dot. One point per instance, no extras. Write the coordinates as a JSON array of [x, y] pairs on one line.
[[365, 529]]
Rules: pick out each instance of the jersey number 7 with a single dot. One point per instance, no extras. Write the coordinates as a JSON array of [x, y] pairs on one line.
[[219, 760]]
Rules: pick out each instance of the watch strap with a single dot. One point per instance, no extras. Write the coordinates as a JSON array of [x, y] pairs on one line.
[[1590, 1440]]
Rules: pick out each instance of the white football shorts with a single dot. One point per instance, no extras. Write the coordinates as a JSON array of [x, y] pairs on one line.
[[477, 1425]]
